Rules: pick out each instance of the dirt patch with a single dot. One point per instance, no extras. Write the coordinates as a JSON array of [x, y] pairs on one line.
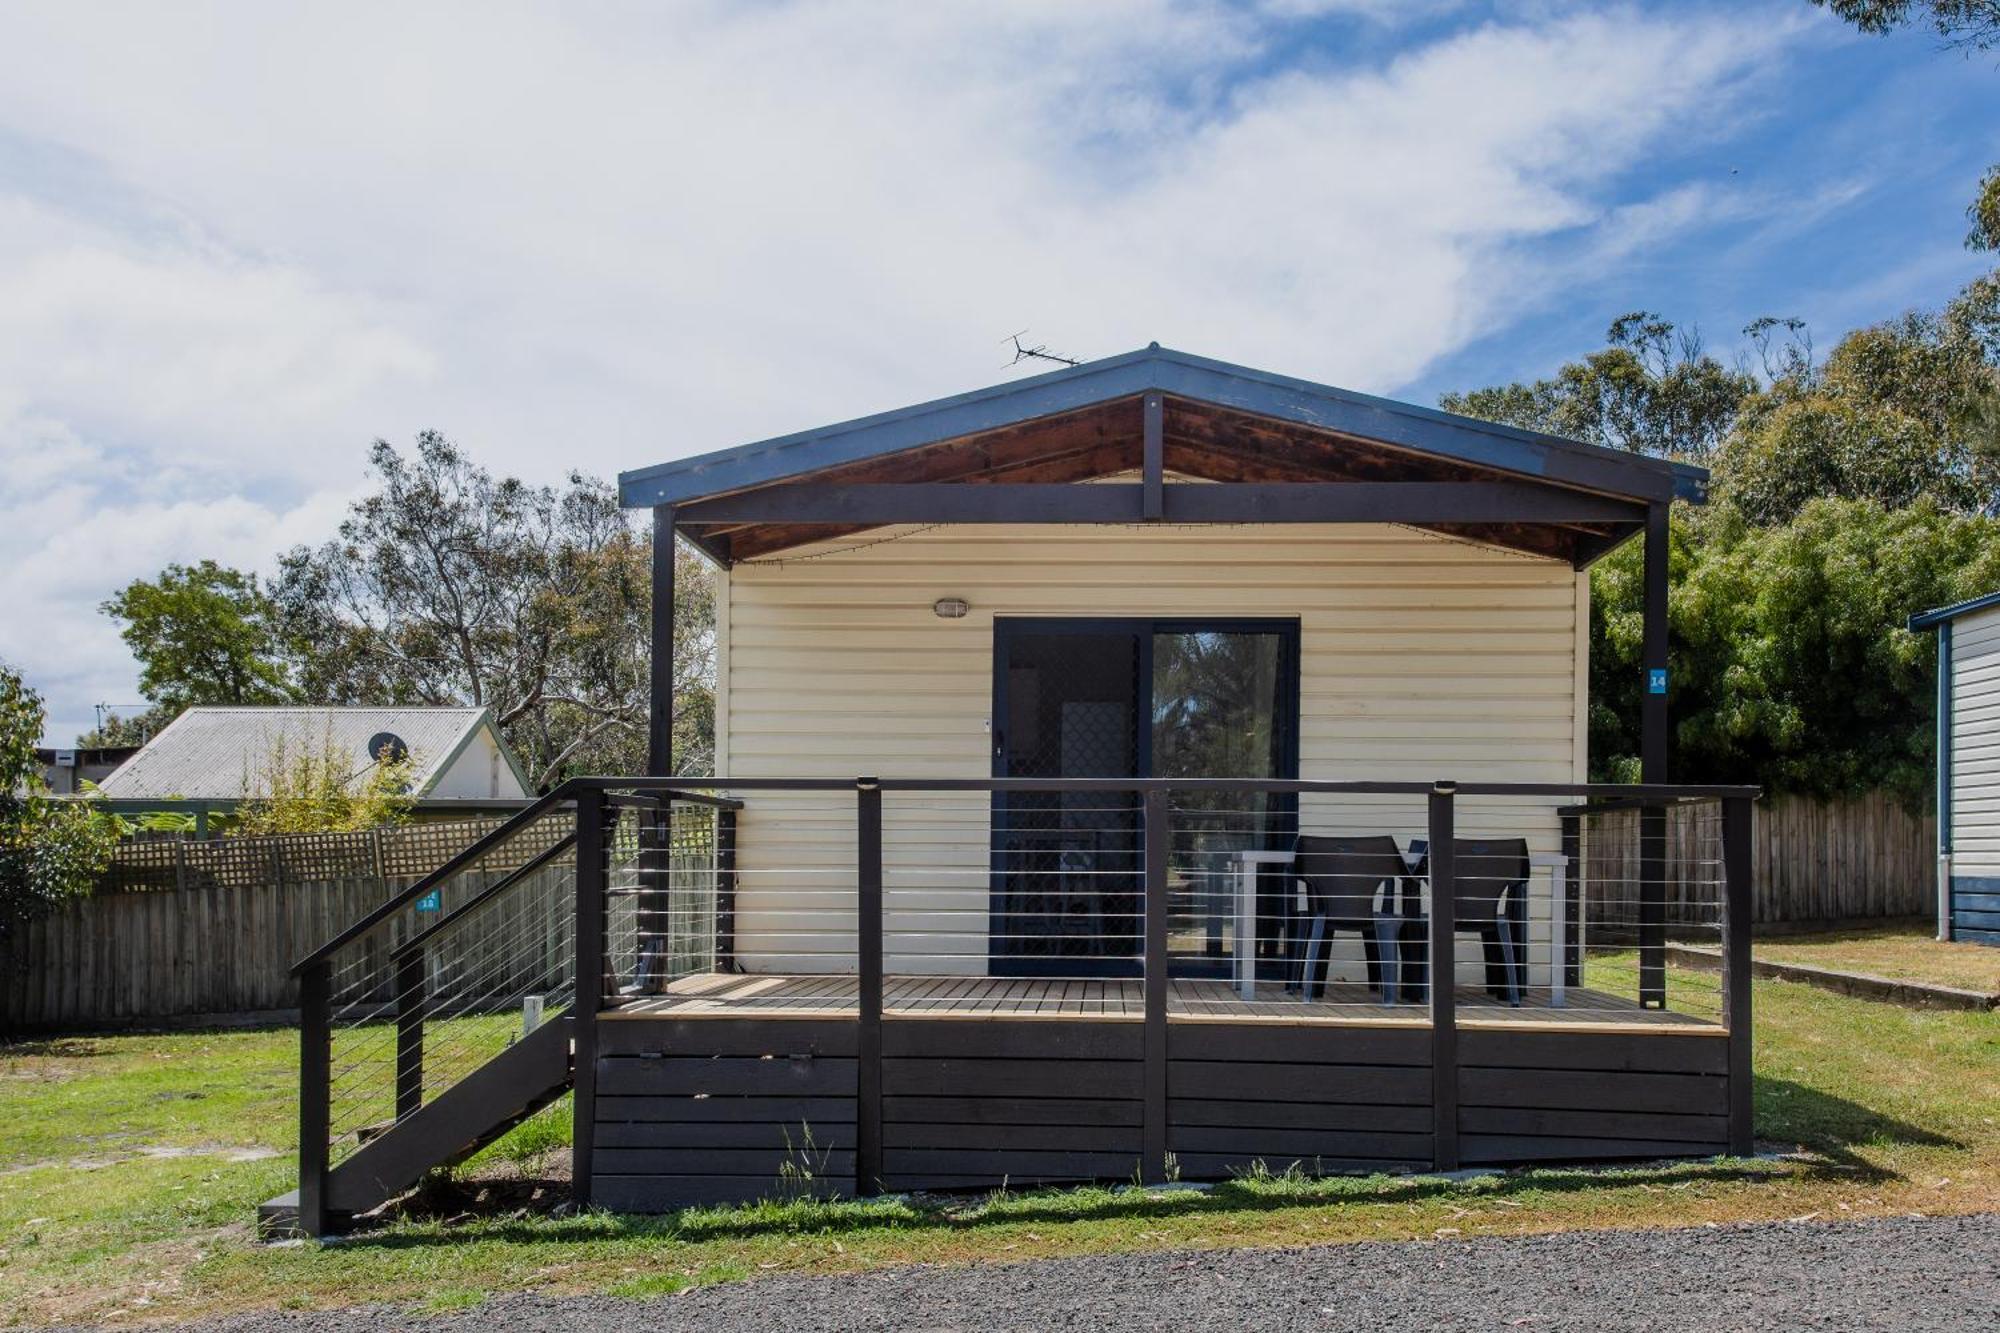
[[98, 1161], [540, 1187]]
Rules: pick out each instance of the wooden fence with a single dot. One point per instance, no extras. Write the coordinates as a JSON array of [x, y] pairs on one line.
[[1862, 857], [188, 931]]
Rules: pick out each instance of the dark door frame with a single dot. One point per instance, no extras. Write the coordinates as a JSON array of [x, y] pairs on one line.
[[1144, 629], [1286, 627]]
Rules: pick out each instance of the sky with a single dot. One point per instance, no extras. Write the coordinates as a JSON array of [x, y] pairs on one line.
[[239, 242]]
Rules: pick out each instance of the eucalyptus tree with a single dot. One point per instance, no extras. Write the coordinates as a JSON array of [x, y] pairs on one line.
[[1973, 24], [1652, 389], [202, 634], [448, 585]]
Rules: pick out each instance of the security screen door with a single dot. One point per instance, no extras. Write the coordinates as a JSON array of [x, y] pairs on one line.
[[1129, 698]]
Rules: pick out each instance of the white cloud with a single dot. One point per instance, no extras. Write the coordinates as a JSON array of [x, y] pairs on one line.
[[239, 241]]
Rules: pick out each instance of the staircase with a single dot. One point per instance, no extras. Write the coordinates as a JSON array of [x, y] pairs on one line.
[[498, 1095], [437, 1022]]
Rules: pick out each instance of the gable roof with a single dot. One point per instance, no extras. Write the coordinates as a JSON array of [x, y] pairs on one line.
[[1223, 422], [1930, 619], [219, 753]]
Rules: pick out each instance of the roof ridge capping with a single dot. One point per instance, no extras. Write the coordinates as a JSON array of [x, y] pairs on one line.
[[335, 708], [1179, 374]]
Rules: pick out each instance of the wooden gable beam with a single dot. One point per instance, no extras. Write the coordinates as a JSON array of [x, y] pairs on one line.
[[1225, 502]]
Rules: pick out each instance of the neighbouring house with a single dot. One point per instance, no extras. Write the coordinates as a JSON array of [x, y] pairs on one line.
[[65, 771], [207, 760], [1106, 763], [1968, 767]]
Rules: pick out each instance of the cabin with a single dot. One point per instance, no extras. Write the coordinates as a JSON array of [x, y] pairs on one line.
[[213, 757], [1968, 767], [1108, 764]]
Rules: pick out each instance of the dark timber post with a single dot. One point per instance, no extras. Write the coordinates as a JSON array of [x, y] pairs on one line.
[[1947, 924], [1572, 905], [410, 1032], [1153, 1162], [725, 890], [1737, 894], [660, 728], [1443, 973], [1153, 459], [315, 1092], [590, 886], [868, 1044], [655, 860], [1653, 746]]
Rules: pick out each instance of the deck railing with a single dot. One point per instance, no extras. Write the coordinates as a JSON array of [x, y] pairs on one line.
[[1160, 901], [434, 982], [1156, 902]]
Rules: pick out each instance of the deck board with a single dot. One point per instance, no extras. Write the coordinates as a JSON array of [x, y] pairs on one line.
[[743, 995]]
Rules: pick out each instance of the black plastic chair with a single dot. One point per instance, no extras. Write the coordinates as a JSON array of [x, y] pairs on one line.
[[1493, 900], [1345, 879], [1492, 893]]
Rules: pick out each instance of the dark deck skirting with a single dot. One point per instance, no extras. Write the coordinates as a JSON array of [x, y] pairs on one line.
[[1975, 908], [716, 1109]]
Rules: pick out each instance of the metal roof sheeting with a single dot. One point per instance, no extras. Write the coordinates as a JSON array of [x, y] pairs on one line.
[[1928, 619], [1203, 379], [220, 753]]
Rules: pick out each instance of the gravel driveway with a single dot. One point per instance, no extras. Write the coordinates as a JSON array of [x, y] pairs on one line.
[[1901, 1274]]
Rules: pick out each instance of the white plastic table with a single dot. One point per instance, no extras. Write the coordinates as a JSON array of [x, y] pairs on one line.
[[1245, 950]]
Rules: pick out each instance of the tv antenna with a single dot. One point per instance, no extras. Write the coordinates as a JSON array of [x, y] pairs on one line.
[[1039, 352]]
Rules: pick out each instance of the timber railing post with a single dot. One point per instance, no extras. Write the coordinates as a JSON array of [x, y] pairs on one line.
[[868, 1038], [725, 890], [1153, 1164], [410, 981], [1572, 904], [1442, 975], [1737, 895], [1653, 906], [590, 887], [315, 1092]]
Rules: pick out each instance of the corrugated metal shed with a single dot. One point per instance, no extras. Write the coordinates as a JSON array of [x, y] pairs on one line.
[[219, 753]]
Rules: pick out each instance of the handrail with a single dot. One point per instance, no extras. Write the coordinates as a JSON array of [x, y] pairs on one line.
[[513, 824], [682, 794], [1611, 805], [654, 799], [497, 887], [1655, 791]]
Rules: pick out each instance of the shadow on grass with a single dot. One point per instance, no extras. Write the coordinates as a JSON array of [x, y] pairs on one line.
[[959, 1214], [83, 1047], [93, 1043], [1834, 1127]]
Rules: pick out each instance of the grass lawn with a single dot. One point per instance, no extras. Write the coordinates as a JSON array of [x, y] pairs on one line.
[[130, 1168], [1898, 953]]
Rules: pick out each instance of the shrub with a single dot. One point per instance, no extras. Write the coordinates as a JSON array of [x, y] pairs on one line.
[[49, 849]]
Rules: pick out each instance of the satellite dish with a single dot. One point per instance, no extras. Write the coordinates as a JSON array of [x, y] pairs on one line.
[[387, 745]]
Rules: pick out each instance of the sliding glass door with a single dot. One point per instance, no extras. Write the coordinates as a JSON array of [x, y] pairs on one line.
[[1130, 698]]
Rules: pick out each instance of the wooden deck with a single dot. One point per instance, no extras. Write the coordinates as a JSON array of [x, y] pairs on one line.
[[764, 995]]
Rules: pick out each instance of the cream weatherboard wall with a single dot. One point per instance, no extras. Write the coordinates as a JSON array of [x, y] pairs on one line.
[[1421, 657]]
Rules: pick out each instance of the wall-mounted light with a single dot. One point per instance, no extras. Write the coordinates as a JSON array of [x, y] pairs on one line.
[[951, 608]]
